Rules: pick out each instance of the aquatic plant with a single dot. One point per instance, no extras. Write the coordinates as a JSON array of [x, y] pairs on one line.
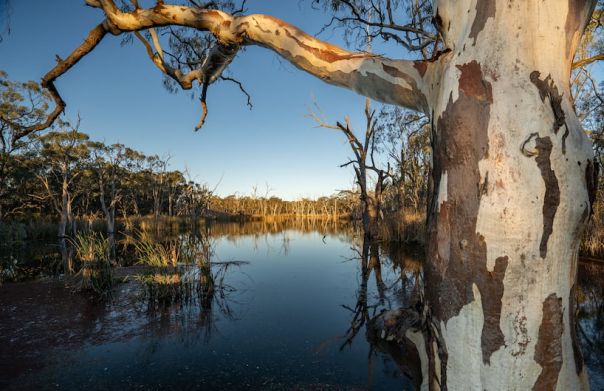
[[165, 281], [180, 270], [95, 269]]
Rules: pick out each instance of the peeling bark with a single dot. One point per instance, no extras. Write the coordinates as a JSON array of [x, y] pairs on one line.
[[361, 72], [548, 352], [551, 200], [547, 89], [484, 9], [458, 260]]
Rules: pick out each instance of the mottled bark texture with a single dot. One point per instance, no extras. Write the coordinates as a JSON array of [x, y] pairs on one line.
[[509, 200], [460, 258], [510, 196], [548, 350]]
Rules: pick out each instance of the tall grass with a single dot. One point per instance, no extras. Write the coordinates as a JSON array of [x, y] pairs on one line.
[[95, 269], [166, 280], [180, 271]]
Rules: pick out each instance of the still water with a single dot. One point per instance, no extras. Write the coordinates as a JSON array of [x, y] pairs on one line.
[[291, 315]]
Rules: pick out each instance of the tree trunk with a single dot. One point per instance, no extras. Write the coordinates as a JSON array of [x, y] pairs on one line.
[[370, 217], [64, 210], [511, 173]]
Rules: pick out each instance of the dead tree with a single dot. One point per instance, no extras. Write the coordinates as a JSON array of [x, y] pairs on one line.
[[364, 163]]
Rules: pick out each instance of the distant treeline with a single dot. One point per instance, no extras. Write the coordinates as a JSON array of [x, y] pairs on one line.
[[62, 176]]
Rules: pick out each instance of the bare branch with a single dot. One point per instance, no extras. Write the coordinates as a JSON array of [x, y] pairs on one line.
[[92, 40], [587, 61], [240, 85]]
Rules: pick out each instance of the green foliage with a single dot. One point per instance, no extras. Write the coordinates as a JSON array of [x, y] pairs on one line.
[[21, 105]]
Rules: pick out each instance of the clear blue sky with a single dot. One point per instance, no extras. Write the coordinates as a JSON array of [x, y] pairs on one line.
[[119, 95]]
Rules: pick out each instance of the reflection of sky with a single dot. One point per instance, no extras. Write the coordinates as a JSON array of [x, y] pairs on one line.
[[286, 329]]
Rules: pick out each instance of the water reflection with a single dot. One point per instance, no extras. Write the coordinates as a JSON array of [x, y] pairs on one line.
[[276, 306], [590, 319]]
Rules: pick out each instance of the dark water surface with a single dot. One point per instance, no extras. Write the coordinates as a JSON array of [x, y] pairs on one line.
[[293, 317]]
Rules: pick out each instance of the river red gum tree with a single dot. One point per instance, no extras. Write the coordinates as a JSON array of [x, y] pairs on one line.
[[512, 171]]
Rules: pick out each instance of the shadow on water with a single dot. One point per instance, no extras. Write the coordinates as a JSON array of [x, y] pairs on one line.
[[277, 305]]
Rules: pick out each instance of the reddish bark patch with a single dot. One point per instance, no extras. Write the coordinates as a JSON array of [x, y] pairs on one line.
[[548, 351], [212, 13], [457, 254], [421, 67], [492, 336], [551, 200], [485, 9], [472, 83]]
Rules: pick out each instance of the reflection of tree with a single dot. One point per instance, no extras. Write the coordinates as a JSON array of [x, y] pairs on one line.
[[389, 311], [370, 310], [361, 311]]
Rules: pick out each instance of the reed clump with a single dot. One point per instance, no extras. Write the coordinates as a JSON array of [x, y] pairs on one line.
[[169, 277], [95, 269]]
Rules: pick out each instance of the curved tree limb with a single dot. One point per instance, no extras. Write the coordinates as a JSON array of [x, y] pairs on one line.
[[397, 82]]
